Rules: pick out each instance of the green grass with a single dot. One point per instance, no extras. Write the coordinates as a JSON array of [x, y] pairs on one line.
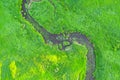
[[25, 56]]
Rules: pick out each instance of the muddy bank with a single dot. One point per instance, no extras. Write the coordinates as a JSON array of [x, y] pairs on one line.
[[61, 38]]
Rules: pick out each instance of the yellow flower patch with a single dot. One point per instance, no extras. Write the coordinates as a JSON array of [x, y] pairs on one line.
[[13, 68]]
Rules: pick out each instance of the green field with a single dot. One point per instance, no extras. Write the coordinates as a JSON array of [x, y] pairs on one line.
[[25, 56]]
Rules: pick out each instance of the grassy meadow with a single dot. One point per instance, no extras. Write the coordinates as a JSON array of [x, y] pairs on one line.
[[25, 56]]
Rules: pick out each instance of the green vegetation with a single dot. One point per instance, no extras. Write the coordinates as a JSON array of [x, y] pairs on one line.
[[25, 56]]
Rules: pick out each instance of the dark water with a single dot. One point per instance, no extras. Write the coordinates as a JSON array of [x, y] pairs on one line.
[[61, 38]]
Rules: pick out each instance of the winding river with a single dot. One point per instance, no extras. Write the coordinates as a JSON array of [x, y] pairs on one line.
[[59, 39]]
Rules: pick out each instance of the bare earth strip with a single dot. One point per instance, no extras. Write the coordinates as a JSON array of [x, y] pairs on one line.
[[60, 39]]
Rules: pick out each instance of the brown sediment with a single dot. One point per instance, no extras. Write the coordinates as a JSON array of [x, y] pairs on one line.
[[59, 39]]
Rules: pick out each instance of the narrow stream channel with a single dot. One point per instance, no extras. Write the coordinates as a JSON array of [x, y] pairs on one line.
[[59, 39]]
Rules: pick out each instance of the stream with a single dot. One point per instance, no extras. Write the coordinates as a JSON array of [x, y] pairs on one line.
[[61, 38]]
